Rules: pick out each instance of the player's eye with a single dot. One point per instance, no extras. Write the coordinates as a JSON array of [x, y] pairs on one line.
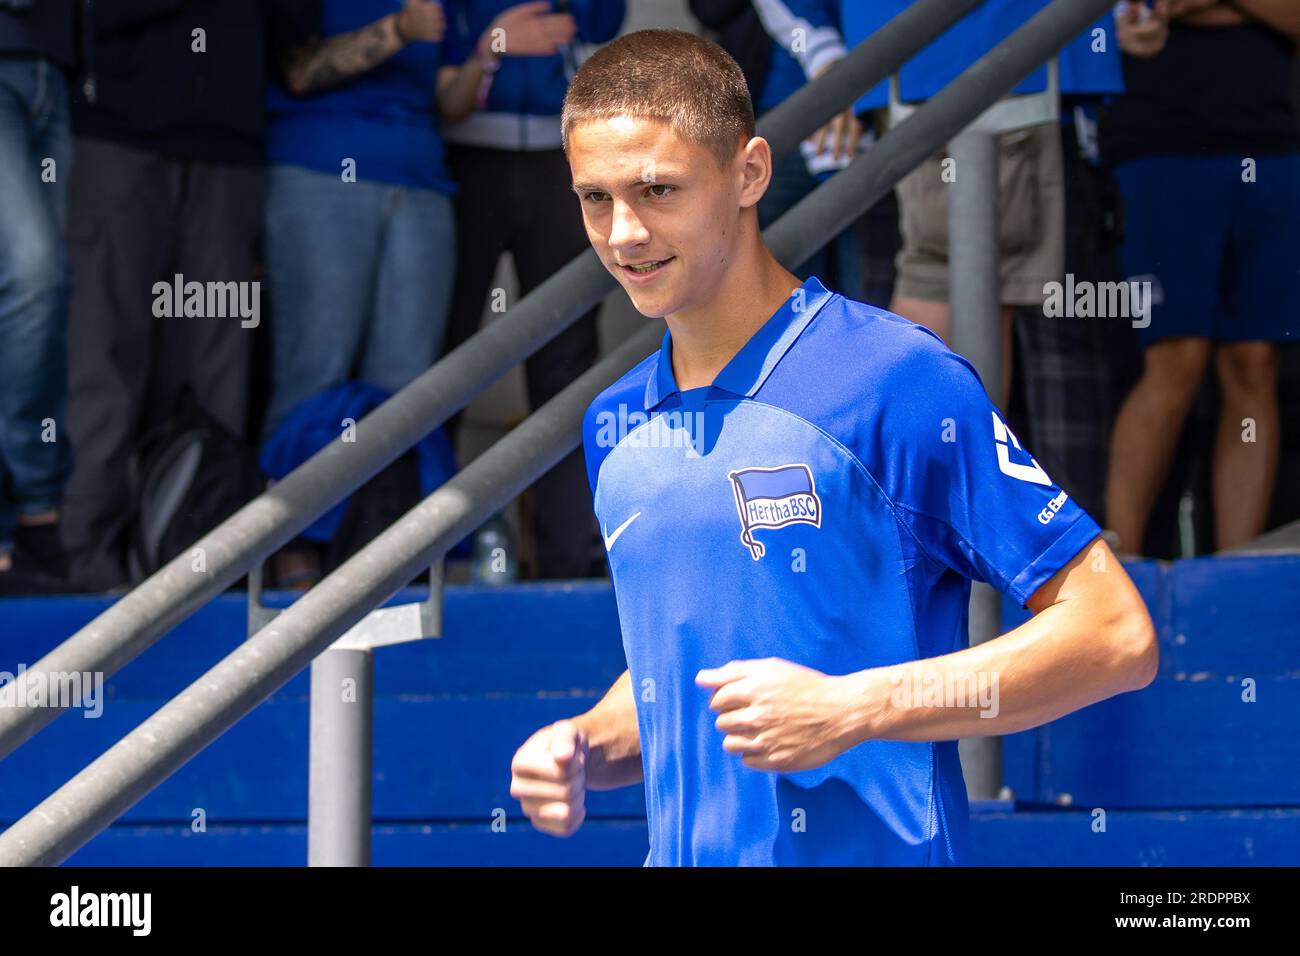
[[659, 186], [595, 196]]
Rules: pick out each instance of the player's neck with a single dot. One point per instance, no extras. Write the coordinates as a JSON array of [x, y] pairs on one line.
[[707, 337]]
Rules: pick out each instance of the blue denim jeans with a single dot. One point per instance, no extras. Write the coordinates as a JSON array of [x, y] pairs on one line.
[[35, 160], [360, 279]]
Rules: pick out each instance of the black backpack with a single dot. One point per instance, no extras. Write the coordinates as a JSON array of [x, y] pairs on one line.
[[193, 475]]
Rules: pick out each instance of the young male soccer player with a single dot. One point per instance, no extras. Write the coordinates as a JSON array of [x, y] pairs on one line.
[[794, 493]]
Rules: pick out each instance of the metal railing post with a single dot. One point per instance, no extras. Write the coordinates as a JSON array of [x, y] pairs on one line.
[[341, 739], [342, 735], [976, 305], [975, 291]]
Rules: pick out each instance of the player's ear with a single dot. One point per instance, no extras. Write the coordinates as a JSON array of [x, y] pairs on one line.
[[756, 171]]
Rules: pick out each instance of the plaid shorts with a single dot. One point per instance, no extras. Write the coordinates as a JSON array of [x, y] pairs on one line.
[[1076, 371]]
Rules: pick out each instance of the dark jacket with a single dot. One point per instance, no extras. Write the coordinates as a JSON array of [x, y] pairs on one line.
[[41, 29], [740, 33], [147, 84]]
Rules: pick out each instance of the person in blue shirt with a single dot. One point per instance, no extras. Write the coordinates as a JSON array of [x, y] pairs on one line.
[[795, 491], [513, 196], [360, 230]]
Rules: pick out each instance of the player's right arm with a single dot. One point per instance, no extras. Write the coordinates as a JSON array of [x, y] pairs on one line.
[[614, 738], [598, 750]]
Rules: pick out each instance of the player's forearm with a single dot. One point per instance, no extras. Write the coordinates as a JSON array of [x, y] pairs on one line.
[[613, 737], [1063, 659]]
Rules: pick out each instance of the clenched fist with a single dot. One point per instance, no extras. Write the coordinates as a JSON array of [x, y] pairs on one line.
[[548, 777]]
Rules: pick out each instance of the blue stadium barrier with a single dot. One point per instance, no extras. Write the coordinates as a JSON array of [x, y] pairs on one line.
[[1186, 772]]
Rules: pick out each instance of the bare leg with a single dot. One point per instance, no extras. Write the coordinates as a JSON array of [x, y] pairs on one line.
[[936, 316], [1146, 434], [1244, 470]]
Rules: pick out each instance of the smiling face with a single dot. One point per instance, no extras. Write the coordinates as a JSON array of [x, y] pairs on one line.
[[660, 212]]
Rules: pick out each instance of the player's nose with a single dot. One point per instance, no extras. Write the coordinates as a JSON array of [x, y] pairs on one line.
[[626, 228]]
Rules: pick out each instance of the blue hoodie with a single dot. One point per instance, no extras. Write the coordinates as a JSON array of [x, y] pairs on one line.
[[1089, 63], [527, 92]]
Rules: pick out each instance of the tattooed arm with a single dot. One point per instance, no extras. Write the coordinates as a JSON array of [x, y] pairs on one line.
[[324, 62]]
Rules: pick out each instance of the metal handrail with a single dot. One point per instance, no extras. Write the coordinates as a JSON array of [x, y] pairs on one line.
[[246, 538]]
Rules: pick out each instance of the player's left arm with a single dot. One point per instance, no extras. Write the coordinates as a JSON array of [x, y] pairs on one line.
[[1090, 638], [984, 507]]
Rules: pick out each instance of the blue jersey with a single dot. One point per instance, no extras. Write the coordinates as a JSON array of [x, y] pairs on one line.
[[825, 501]]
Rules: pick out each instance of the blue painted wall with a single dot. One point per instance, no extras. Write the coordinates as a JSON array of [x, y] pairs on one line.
[[1187, 772]]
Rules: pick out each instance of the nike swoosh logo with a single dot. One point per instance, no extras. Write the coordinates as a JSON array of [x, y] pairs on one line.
[[611, 538]]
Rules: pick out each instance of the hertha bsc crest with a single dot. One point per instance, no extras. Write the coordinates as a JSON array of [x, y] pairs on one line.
[[774, 498]]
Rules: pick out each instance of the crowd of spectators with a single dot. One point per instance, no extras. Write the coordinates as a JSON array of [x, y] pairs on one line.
[[254, 220]]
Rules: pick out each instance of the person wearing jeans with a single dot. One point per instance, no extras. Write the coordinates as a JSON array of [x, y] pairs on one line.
[[362, 275], [360, 227], [36, 48]]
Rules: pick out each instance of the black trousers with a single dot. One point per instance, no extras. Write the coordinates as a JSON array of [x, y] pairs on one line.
[[521, 201], [136, 218]]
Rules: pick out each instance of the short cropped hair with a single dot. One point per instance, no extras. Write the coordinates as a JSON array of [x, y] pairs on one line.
[[668, 75]]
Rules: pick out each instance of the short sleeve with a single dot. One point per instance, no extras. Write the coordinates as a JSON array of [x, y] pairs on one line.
[[968, 490]]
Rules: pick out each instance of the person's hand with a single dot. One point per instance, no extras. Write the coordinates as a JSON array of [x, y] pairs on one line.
[[528, 29], [780, 715], [842, 133], [1142, 31], [1179, 8], [421, 21], [548, 776]]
